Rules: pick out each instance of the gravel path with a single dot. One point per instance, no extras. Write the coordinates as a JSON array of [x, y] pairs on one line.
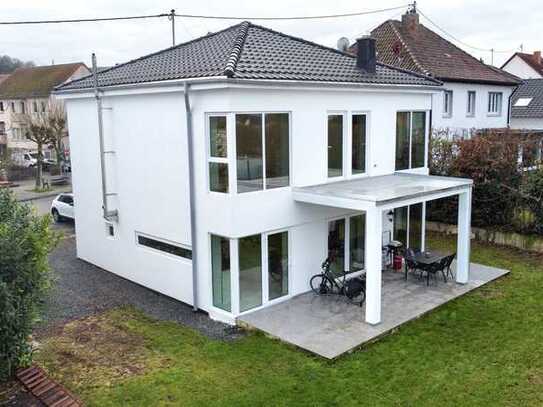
[[82, 289]]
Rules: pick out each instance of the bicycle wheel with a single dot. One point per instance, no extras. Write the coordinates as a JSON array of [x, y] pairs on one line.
[[321, 285]]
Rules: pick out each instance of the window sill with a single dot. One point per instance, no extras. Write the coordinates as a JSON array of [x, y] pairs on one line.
[[493, 114], [447, 116]]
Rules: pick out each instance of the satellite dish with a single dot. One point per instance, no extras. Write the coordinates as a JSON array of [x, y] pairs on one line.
[[343, 44]]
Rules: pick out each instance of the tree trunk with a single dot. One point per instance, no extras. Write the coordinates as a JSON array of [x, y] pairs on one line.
[[39, 167], [60, 155]]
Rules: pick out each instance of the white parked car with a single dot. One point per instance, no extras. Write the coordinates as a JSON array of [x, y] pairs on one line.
[[62, 207]]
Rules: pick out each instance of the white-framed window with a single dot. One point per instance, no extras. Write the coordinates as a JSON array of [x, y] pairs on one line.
[[495, 100], [218, 153], [34, 107], [23, 107], [411, 140], [248, 152], [13, 107], [346, 243], [447, 103], [470, 109], [1, 106], [347, 143], [43, 107], [164, 246]]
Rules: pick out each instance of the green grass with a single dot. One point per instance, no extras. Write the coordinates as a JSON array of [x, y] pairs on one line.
[[485, 348]]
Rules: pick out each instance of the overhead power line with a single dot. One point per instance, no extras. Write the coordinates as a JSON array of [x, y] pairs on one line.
[[460, 41], [208, 17]]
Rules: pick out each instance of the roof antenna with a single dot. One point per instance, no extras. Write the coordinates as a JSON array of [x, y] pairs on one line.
[[413, 8]]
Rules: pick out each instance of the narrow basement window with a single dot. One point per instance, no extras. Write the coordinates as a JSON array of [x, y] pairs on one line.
[[166, 247]]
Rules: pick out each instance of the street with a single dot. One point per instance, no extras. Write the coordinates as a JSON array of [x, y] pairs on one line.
[[43, 207]]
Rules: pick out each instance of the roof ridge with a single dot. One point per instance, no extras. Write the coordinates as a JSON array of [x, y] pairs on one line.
[[153, 53], [404, 43], [236, 49]]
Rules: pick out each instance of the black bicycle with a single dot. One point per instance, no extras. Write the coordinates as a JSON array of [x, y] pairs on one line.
[[327, 283]]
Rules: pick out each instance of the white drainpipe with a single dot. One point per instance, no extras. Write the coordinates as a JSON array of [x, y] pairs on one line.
[[192, 199]]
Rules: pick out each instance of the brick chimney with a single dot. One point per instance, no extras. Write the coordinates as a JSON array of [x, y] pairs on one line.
[[410, 20], [537, 57]]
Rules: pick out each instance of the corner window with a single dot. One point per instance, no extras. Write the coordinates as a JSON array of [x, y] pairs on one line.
[[277, 265], [262, 151], [220, 272], [250, 272], [163, 246], [410, 140], [358, 154], [447, 103], [471, 103], [495, 103], [335, 145], [218, 161]]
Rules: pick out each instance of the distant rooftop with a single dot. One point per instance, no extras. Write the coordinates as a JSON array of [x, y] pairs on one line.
[[410, 45], [36, 81], [249, 51], [527, 100]]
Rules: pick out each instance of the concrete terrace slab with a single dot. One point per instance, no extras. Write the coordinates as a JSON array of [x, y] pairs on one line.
[[330, 326]]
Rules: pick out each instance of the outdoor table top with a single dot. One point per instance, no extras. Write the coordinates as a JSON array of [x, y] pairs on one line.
[[429, 257]]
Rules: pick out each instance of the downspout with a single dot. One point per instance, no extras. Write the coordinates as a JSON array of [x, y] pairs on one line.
[[509, 108], [108, 215], [192, 200]]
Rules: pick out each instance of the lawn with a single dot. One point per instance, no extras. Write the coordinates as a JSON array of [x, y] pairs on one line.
[[485, 348]]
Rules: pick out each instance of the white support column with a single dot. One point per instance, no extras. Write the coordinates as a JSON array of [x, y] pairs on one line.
[[464, 235], [374, 233]]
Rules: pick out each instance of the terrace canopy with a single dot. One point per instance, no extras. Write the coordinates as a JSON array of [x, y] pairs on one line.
[[374, 195]]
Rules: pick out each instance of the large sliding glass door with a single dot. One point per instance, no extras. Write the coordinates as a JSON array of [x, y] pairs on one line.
[[408, 228], [346, 243]]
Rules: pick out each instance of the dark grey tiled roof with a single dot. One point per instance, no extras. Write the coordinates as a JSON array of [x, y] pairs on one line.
[[248, 51], [529, 88]]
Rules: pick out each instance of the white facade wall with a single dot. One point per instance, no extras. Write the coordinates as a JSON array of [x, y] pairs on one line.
[[521, 69], [531, 124], [460, 123], [150, 174]]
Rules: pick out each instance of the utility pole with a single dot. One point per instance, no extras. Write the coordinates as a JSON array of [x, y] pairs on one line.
[[171, 17]]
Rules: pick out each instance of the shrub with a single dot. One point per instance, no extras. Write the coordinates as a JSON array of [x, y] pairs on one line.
[[25, 242], [533, 196]]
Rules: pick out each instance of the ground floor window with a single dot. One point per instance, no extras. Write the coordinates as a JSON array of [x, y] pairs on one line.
[[346, 240], [277, 265], [220, 271], [408, 225], [250, 272]]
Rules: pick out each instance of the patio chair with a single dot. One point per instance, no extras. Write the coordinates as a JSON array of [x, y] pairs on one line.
[[410, 263], [447, 261], [432, 269]]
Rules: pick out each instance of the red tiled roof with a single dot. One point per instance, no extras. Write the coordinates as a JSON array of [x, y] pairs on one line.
[[533, 61], [415, 47]]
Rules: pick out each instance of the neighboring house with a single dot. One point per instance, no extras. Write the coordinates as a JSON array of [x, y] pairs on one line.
[[474, 95], [226, 169], [28, 90], [525, 66], [527, 105]]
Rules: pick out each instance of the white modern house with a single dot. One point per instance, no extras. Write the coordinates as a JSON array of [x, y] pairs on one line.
[[222, 171], [474, 95]]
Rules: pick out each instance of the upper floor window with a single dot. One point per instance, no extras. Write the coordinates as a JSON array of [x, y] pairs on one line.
[[410, 140], [335, 145], [35, 107], [2, 128], [43, 107], [13, 107], [218, 161], [352, 144], [495, 103], [23, 107], [447, 103], [470, 111], [262, 152], [1, 106]]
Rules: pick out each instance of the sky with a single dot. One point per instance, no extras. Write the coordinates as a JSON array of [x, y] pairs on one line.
[[483, 24]]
